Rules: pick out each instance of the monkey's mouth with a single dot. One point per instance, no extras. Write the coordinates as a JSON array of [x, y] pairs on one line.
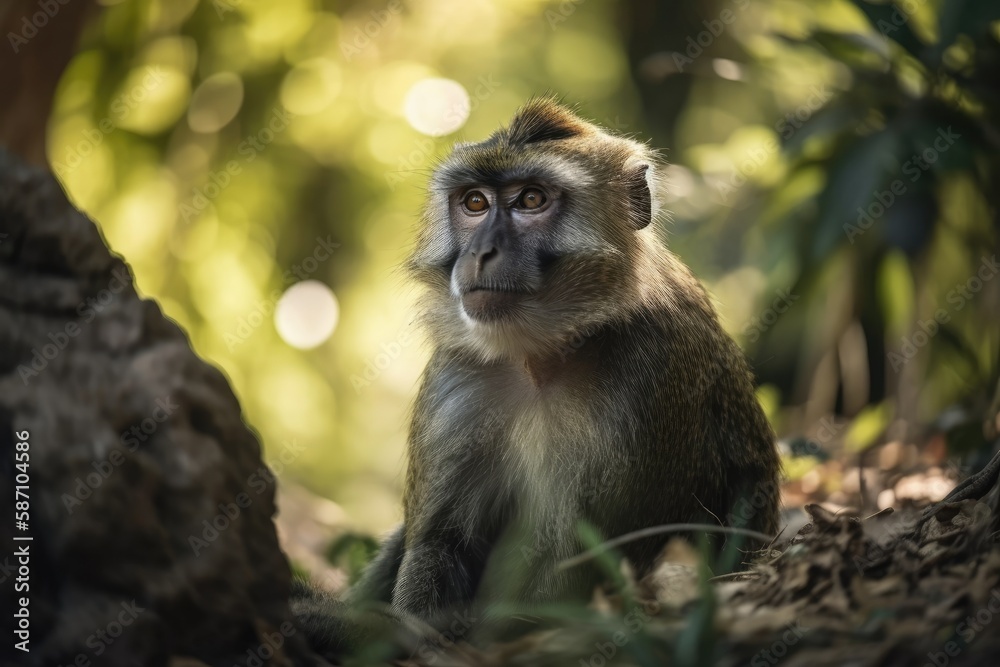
[[487, 304]]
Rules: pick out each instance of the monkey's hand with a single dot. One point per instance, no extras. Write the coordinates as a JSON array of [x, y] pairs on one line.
[[336, 630], [436, 573]]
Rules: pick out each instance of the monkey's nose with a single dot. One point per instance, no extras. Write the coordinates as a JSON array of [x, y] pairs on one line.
[[485, 255]]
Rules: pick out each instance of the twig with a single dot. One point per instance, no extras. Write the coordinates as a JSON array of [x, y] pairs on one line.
[[862, 491], [714, 515], [657, 530], [776, 537], [886, 511], [975, 486], [734, 575]]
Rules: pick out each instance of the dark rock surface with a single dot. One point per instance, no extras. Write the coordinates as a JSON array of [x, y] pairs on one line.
[[150, 507]]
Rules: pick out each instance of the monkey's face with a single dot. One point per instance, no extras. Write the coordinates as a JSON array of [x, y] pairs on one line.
[[531, 238], [506, 232]]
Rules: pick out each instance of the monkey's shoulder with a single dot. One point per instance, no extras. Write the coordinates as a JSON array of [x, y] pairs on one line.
[[679, 339]]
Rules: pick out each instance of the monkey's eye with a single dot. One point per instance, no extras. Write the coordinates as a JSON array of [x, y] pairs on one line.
[[475, 202], [531, 198]]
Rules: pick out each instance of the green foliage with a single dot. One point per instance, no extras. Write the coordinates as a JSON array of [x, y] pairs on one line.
[[351, 552], [902, 131], [299, 572], [230, 150]]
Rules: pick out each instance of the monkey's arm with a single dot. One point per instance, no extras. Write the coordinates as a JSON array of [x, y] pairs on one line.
[[379, 578], [440, 569], [451, 511], [426, 576]]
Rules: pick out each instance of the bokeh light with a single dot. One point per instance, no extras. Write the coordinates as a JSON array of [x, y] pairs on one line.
[[311, 86], [437, 107], [215, 102], [219, 145], [306, 314]]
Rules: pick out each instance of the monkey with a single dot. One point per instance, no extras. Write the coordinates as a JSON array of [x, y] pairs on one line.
[[578, 373]]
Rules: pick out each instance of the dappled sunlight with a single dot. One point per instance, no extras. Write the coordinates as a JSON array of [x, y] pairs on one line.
[[261, 166]]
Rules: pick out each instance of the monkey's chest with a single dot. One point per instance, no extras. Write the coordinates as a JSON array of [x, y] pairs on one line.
[[549, 448], [535, 448]]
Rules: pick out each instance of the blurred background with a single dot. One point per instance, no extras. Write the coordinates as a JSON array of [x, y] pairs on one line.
[[834, 171]]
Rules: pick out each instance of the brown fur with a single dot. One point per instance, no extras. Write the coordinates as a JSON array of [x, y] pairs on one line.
[[609, 393]]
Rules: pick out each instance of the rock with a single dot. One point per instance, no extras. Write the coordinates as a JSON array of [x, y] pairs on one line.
[[150, 507]]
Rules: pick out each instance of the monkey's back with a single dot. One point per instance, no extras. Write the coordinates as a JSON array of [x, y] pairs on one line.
[[701, 449]]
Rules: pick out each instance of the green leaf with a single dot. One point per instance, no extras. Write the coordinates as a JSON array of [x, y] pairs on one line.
[[854, 177], [909, 224], [944, 142], [896, 293], [868, 426], [892, 23], [591, 538], [854, 49], [968, 17], [831, 120], [957, 342], [352, 552]]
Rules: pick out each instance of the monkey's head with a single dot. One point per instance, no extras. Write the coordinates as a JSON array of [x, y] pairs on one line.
[[535, 235]]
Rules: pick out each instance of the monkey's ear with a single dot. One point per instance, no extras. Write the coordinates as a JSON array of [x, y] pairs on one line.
[[640, 199]]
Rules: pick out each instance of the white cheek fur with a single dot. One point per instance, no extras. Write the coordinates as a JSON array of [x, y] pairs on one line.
[[457, 294]]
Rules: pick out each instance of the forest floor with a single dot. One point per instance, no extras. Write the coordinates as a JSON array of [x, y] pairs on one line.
[[913, 580]]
